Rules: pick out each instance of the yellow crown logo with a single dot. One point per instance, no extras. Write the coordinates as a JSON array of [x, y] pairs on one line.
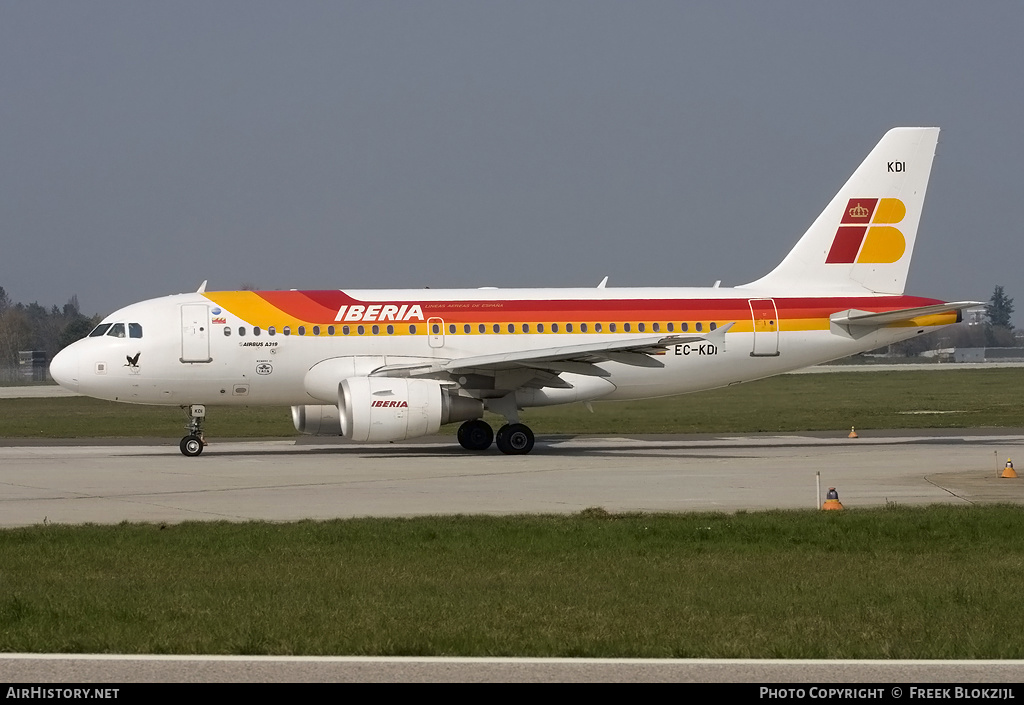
[[859, 211]]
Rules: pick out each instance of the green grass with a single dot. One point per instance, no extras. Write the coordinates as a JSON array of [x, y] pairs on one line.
[[811, 402], [938, 582], [970, 398], [81, 417]]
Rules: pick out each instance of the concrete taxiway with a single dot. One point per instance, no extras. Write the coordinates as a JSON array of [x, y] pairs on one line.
[[289, 480]]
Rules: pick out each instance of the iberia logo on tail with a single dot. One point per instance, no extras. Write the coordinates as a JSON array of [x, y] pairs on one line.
[[866, 235]]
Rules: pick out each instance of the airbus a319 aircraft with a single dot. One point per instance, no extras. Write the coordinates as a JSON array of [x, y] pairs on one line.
[[386, 365]]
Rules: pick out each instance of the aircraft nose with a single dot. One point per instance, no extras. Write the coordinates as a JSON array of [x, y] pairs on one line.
[[64, 368]]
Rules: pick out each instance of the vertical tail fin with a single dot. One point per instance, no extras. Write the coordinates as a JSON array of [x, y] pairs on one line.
[[864, 239]]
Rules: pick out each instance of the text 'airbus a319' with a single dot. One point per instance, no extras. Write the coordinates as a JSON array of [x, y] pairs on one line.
[[385, 365]]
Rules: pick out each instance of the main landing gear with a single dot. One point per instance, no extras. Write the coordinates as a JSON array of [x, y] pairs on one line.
[[192, 444], [512, 438]]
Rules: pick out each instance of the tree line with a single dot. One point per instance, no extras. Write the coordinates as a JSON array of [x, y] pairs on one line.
[[35, 327]]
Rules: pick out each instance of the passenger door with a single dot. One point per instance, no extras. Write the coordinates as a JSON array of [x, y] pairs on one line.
[[195, 333], [766, 327]]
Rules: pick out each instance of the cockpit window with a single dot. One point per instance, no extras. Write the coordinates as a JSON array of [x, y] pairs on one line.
[[99, 330], [116, 330], [134, 330]]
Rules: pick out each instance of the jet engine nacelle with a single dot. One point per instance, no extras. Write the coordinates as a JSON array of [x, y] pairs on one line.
[[392, 409], [317, 420]]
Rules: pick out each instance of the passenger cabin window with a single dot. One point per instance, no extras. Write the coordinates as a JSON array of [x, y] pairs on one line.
[[227, 331], [134, 330], [241, 330], [116, 330], [99, 330], [255, 330], [287, 330], [302, 330], [271, 330]]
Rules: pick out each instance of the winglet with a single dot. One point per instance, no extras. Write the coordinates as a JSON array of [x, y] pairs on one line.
[[202, 288]]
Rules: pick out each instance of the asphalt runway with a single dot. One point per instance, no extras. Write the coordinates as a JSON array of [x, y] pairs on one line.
[[291, 480]]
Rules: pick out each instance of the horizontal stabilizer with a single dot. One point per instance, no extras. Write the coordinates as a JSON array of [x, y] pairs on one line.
[[858, 323]]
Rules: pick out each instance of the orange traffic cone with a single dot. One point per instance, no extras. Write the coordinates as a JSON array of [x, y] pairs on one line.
[[832, 500], [853, 434], [1008, 471]]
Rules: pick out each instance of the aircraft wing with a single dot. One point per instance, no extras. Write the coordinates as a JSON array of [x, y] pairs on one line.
[[578, 359]]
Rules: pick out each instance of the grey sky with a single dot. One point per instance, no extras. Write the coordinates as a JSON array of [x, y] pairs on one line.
[[147, 146]]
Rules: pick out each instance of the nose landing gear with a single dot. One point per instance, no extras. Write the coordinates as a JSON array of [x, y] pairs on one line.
[[193, 444]]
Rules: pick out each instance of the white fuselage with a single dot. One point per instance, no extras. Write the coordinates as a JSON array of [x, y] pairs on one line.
[[175, 364]]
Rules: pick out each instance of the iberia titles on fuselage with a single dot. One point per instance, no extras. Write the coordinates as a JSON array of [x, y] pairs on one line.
[[385, 365]]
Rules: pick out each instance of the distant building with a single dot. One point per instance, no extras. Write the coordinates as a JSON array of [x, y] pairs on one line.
[[987, 354], [969, 355], [975, 316], [33, 364]]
